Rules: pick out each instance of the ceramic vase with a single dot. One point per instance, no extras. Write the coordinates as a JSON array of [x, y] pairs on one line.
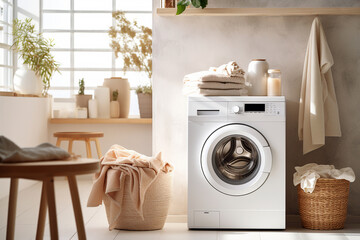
[[145, 105], [93, 108], [114, 109], [257, 77], [27, 82], [102, 96], [123, 87]]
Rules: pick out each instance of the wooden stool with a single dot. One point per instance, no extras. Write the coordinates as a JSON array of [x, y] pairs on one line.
[[80, 136], [45, 172]]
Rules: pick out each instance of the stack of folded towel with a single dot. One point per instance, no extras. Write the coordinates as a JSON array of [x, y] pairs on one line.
[[226, 80]]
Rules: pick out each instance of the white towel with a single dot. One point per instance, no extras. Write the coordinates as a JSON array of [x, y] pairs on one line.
[[318, 112], [231, 69], [308, 175], [208, 76], [215, 85], [214, 92]]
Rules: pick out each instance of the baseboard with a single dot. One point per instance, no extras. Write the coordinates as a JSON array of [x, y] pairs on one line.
[[293, 218]]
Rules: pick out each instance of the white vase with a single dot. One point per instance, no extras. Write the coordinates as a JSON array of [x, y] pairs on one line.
[[114, 109], [27, 82], [102, 96], [93, 108], [257, 77], [123, 87]]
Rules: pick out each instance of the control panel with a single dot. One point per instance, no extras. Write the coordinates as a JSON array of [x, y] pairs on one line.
[[269, 108]]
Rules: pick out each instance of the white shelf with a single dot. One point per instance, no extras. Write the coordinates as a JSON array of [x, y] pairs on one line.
[[259, 11], [100, 121]]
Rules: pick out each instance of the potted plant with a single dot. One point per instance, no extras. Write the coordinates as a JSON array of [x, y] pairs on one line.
[[82, 99], [114, 105], [145, 103], [182, 4], [134, 43], [38, 63]]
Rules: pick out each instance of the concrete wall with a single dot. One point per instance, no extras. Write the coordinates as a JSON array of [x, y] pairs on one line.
[[188, 44]]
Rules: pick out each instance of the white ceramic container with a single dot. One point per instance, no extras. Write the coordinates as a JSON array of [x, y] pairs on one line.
[[257, 77]]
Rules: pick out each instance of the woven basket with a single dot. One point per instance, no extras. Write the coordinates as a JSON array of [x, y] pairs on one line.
[[325, 208], [155, 206]]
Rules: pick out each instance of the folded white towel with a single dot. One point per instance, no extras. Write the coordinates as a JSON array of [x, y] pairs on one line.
[[208, 76], [231, 69], [214, 85], [308, 174], [214, 92]]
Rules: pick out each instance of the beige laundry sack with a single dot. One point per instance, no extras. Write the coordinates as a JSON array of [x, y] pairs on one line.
[[155, 207]]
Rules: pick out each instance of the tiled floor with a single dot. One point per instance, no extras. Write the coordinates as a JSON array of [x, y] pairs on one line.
[[96, 223]]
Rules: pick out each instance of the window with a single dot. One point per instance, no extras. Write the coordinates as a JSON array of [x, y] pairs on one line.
[[9, 10], [79, 29]]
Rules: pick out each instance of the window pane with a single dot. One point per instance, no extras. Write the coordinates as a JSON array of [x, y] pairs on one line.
[[92, 21], [56, 4], [5, 57], [63, 58], [31, 6], [6, 79], [135, 78], [56, 21], [61, 79], [91, 40], [60, 93], [61, 40], [93, 4], [92, 59], [91, 78], [137, 5], [142, 19]]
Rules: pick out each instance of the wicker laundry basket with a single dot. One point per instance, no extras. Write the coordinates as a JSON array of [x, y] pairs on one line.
[[325, 208], [155, 207]]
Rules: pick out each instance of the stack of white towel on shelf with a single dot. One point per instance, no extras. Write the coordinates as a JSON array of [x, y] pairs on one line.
[[226, 80]]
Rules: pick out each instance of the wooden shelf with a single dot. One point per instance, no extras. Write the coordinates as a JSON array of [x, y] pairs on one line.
[[100, 121], [259, 11]]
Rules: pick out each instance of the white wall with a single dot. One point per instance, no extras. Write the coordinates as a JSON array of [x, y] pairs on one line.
[[132, 136], [24, 121], [188, 44]]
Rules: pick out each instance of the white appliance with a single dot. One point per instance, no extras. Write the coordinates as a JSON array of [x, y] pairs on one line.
[[236, 163]]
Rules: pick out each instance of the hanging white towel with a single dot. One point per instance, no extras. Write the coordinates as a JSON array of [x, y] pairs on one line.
[[318, 112]]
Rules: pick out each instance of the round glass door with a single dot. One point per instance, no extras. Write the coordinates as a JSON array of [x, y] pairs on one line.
[[236, 159]]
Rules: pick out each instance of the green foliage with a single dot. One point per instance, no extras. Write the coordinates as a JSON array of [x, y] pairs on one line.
[[134, 42], [34, 49], [81, 86], [115, 95], [144, 89], [182, 4]]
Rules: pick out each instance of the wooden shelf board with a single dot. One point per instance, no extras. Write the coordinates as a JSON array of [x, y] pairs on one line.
[[100, 121], [259, 11]]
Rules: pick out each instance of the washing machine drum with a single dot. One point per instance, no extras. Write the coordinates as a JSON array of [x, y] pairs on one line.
[[236, 159]]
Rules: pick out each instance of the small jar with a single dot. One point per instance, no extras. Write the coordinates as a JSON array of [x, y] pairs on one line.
[[168, 3], [274, 82]]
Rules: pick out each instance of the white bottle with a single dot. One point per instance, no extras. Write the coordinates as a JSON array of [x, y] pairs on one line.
[[257, 77]]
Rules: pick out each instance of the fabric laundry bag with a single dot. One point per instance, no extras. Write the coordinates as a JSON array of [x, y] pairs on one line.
[[135, 189]]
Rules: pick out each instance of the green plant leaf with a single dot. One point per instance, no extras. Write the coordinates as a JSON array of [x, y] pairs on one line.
[[203, 3], [196, 3], [180, 9]]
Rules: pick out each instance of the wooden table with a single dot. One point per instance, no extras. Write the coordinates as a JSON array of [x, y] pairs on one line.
[[45, 171]]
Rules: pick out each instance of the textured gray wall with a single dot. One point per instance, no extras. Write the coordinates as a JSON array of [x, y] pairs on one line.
[[187, 44]]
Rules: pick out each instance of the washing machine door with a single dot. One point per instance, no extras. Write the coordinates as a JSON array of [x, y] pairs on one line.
[[236, 159]]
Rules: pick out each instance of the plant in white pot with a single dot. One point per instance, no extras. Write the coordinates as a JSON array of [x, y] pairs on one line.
[[114, 105], [82, 99], [134, 43], [38, 63]]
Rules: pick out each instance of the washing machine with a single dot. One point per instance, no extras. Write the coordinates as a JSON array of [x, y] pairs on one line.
[[236, 162]]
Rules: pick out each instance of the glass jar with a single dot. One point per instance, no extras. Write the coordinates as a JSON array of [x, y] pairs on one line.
[[274, 82], [168, 3]]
